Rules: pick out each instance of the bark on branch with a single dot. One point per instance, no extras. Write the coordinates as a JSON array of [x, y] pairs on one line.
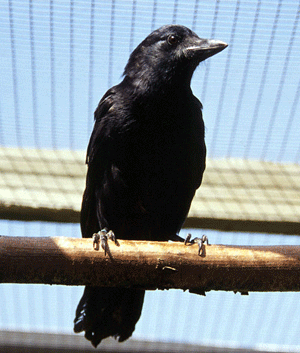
[[149, 265]]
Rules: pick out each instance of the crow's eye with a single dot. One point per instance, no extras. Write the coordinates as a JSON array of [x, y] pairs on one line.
[[172, 40]]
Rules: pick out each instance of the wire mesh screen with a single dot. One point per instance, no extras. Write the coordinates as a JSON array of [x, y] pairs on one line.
[[57, 60]]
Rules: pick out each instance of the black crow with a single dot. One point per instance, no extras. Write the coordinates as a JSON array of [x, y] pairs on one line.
[[146, 158]]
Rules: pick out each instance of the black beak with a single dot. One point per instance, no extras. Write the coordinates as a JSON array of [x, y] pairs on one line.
[[204, 48]]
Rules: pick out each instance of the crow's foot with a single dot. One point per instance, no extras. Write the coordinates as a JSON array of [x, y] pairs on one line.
[[101, 237], [199, 241]]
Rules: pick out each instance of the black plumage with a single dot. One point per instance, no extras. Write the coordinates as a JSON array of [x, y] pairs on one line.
[[146, 158]]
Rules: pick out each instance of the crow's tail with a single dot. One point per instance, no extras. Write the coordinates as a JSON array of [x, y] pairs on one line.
[[104, 312]]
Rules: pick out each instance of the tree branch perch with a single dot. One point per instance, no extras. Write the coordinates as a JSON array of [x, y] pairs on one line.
[[149, 265]]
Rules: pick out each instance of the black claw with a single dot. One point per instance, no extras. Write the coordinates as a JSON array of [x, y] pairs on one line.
[[103, 240], [188, 239], [199, 241], [96, 239], [111, 235]]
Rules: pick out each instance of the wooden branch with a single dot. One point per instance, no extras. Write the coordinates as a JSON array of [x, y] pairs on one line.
[[149, 265]]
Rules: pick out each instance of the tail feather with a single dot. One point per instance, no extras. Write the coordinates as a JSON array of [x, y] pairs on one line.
[[104, 312]]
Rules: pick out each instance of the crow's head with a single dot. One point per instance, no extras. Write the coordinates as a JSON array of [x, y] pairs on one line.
[[170, 54]]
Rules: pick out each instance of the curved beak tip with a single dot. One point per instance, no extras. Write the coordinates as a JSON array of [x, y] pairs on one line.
[[217, 44]]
